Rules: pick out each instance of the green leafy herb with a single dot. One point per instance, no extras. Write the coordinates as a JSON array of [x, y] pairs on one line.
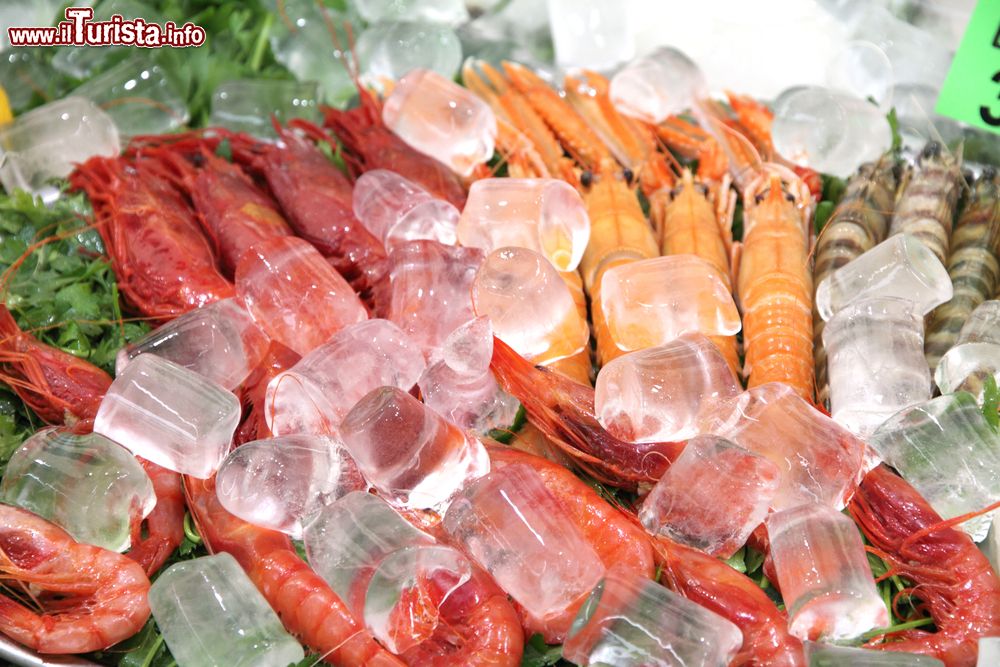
[[736, 561], [991, 402], [823, 212], [897, 138], [539, 654], [505, 435]]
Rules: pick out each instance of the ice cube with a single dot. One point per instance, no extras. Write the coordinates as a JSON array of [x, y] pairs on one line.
[[169, 415], [83, 63], [395, 210], [431, 289], [917, 56], [989, 652], [90, 486], [823, 573], [712, 497], [914, 104], [47, 142], [947, 450], [983, 325], [861, 68], [210, 613], [451, 12], [650, 302], [294, 294], [656, 394], [543, 214], [631, 620], [461, 387], [593, 34], [441, 119], [901, 267], [966, 367], [658, 85], [411, 454], [219, 341], [278, 483], [315, 394], [529, 305], [876, 362], [820, 460], [247, 105], [138, 96], [825, 655], [391, 49], [515, 529]]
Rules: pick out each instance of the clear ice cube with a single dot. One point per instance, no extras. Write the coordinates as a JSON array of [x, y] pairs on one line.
[[90, 486], [247, 105], [862, 69], [315, 394], [543, 214], [395, 210], [656, 394], [210, 613], [825, 655], [650, 302], [219, 341], [411, 454], [947, 450], [712, 497], [976, 355], [441, 119], [169, 415], [277, 483], [391, 49], [823, 573], [451, 12], [657, 85], [593, 34]]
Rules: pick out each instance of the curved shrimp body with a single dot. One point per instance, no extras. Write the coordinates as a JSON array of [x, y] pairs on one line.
[[163, 262], [690, 224], [368, 144], [694, 143], [952, 578], [164, 527], [775, 288], [307, 606], [973, 265], [87, 598], [564, 411], [860, 221], [926, 204]]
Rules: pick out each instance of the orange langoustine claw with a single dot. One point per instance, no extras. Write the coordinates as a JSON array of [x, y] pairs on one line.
[[162, 260], [952, 577]]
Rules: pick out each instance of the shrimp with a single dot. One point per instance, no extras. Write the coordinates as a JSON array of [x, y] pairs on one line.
[[564, 411], [63, 596], [163, 262], [316, 199], [368, 144], [926, 206], [860, 221], [774, 283], [952, 578], [694, 143], [973, 265], [65, 390]]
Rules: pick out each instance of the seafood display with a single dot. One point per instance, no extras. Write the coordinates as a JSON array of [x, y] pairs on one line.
[[522, 370]]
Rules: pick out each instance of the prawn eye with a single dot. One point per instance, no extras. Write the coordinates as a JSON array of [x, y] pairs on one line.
[[759, 198], [789, 196], [932, 149], [628, 175], [586, 179], [989, 173], [702, 189]]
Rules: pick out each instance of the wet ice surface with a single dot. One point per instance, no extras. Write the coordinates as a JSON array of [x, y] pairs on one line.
[[630, 620], [712, 497], [823, 655], [529, 305], [47, 142], [219, 341], [315, 394], [876, 362], [409, 453], [247, 105], [656, 394], [395, 210], [976, 354], [653, 301], [294, 294], [546, 215], [823, 573], [657, 85], [820, 461], [441, 119], [169, 415], [947, 450], [90, 486], [515, 529], [595, 34], [450, 12], [277, 483], [900, 267], [390, 49], [210, 613]]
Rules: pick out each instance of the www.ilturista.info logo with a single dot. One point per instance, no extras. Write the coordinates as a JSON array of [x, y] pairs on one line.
[[80, 30]]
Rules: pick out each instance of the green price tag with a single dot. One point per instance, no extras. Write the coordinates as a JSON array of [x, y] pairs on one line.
[[971, 92]]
